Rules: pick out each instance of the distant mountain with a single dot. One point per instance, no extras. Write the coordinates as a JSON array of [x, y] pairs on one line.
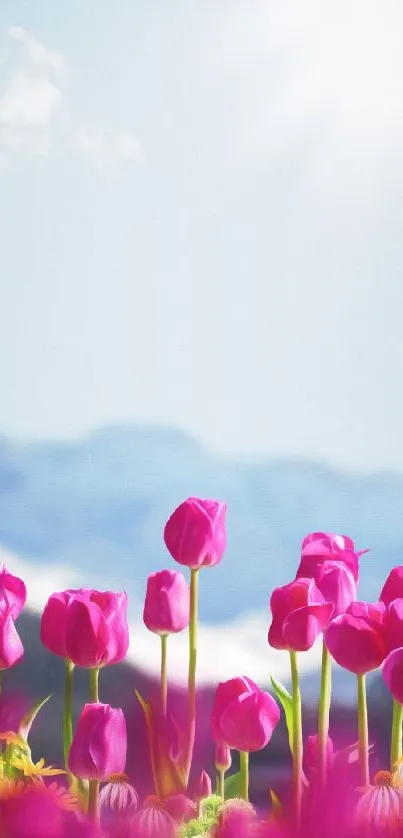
[[100, 504]]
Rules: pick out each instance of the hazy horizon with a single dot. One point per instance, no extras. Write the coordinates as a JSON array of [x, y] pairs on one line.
[[201, 224]]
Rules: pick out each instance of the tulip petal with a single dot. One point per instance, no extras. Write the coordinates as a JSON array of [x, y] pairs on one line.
[[303, 626]]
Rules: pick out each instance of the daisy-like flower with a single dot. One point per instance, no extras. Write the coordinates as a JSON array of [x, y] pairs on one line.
[[117, 794], [22, 762], [380, 809]]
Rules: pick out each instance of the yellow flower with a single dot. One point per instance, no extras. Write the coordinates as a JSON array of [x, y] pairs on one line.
[[30, 769]]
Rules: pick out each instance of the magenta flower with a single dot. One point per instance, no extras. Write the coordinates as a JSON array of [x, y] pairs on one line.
[[118, 794], [11, 648], [180, 807], [222, 757], [153, 820], [167, 602], [393, 623], [99, 743], [237, 819], [319, 547], [299, 614], [356, 640], [243, 716], [336, 583], [393, 587], [195, 534], [202, 786], [12, 591], [392, 671], [311, 752], [88, 627]]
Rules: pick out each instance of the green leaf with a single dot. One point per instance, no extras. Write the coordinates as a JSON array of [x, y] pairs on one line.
[[29, 718], [286, 702], [232, 786]]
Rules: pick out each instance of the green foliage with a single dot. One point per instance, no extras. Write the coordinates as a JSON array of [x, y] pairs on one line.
[[232, 786], [286, 702]]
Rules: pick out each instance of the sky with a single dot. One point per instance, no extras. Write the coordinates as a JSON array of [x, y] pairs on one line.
[[201, 223]]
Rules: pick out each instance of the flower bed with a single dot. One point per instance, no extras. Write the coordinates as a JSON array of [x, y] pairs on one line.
[[333, 792]]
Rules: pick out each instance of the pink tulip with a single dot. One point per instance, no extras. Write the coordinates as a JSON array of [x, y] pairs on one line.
[[243, 716], [393, 623], [195, 534], [393, 587], [11, 648], [369, 610], [12, 591], [357, 642], [311, 752], [222, 757], [180, 807], [88, 627], [318, 547], [392, 671], [336, 583], [167, 602], [99, 743], [201, 787], [299, 614]]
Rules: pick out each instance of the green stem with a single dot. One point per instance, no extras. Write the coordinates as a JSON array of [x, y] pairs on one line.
[[297, 748], [93, 801], [324, 712], [94, 689], [194, 580], [244, 772], [221, 778], [396, 740], [164, 678], [363, 730], [68, 710]]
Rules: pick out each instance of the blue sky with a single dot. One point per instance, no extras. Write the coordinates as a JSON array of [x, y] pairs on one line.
[[201, 218]]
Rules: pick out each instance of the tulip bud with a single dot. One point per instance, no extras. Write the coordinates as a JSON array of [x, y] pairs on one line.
[[357, 643], [299, 614], [12, 591], [337, 585], [11, 648], [181, 807], [312, 752], [243, 716], [88, 627], [202, 787], [195, 534], [392, 671], [167, 602], [222, 757], [99, 743], [393, 587], [319, 547]]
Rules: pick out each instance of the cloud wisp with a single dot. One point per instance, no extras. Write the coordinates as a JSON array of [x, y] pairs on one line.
[[35, 117]]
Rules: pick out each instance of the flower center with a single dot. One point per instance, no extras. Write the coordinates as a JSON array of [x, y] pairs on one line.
[[118, 778], [383, 778]]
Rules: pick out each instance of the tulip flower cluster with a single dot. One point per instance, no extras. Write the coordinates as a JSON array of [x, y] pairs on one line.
[[92, 796]]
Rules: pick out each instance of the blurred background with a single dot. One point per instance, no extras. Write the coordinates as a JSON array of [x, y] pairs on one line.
[[200, 294]]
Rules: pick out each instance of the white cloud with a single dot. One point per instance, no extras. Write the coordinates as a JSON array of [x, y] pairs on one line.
[[30, 101], [109, 154], [36, 52]]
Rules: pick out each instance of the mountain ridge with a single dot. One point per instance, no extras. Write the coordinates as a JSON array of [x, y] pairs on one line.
[[101, 502]]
